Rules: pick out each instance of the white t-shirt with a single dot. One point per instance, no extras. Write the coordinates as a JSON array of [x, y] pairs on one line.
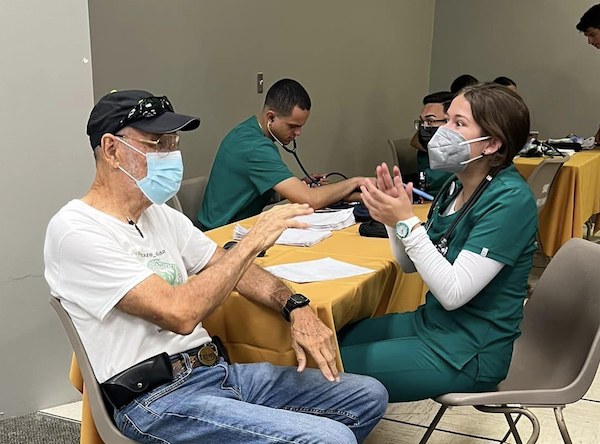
[[93, 259]]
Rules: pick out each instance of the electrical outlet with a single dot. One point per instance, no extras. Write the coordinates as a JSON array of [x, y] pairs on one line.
[[259, 83]]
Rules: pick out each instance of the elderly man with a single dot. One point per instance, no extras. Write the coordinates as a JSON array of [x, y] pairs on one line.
[[248, 169], [120, 262]]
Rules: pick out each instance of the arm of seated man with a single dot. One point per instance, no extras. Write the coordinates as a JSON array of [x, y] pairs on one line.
[[318, 177], [307, 331], [295, 190], [180, 309]]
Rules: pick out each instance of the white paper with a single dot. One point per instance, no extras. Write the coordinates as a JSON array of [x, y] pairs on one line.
[[295, 237], [329, 221], [318, 270]]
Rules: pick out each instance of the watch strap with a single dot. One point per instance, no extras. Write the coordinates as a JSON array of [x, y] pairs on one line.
[[292, 303]]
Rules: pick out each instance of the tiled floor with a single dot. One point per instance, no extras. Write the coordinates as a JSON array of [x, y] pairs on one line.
[[406, 422]]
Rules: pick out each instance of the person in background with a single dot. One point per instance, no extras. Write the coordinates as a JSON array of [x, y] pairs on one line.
[[505, 81], [589, 24], [433, 115], [462, 81], [474, 253], [248, 169]]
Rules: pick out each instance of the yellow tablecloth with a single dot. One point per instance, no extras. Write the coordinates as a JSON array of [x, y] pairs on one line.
[[254, 333], [574, 198]]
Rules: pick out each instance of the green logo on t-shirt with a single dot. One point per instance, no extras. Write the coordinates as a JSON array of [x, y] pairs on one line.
[[169, 272]]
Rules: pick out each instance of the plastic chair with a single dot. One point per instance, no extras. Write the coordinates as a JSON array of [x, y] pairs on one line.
[[404, 157], [102, 420], [189, 198], [542, 178], [540, 181], [556, 358]]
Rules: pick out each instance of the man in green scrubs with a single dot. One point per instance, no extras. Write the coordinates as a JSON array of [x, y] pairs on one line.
[[433, 115], [248, 169]]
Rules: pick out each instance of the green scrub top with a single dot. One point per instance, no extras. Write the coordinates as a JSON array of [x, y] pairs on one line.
[[247, 167], [502, 226], [435, 179]]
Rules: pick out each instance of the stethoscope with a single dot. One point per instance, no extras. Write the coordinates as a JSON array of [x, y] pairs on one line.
[[449, 189], [293, 151]]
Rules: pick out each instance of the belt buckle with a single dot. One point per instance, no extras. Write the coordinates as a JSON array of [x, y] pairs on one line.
[[207, 355]]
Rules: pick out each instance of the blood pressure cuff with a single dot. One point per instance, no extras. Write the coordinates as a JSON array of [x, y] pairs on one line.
[[372, 228], [361, 213], [566, 146]]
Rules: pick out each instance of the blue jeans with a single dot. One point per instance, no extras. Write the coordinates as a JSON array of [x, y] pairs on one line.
[[255, 403]]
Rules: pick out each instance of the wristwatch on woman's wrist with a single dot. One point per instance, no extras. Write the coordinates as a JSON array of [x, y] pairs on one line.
[[404, 227]]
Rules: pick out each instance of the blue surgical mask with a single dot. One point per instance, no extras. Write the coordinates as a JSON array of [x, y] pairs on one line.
[[164, 176], [449, 151]]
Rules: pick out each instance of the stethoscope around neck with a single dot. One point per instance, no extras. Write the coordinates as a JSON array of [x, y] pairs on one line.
[[293, 151], [449, 189]]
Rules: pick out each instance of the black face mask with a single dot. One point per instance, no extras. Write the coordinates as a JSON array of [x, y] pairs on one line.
[[425, 135]]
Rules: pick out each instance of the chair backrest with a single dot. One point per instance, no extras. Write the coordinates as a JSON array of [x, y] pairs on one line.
[[559, 349], [190, 197], [404, 157], [174, 203], [541, 179], [103, 421]]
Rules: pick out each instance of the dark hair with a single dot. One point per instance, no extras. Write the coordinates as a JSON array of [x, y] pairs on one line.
[[591, 19], [442, 97], [504, 81], [286, 94], [501, 113], [462, 81]]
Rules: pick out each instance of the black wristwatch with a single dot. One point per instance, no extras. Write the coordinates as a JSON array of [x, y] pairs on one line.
[[295, 301]]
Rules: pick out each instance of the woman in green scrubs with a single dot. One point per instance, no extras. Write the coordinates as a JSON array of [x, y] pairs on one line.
[[474, 253]]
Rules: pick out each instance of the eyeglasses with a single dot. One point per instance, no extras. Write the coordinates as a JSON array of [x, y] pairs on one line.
[[146, 109], [429, 123], [163, 146]]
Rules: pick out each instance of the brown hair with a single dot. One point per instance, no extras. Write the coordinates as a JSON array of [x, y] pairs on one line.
[[501, 113]]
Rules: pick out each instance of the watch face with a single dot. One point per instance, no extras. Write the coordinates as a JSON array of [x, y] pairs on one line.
[[297, 298], [402, 230]]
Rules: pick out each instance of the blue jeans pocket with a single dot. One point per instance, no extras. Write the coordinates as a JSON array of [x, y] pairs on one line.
[[129, 429], [165, 389], [234, 388]]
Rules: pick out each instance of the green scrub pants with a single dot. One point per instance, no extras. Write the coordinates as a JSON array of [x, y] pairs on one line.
[[389, 349]]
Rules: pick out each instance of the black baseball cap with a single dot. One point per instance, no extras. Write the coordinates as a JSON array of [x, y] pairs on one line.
[[138, 109]]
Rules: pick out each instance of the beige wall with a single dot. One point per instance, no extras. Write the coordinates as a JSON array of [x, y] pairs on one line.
[[364, 64], [46, 161], [535, 43]]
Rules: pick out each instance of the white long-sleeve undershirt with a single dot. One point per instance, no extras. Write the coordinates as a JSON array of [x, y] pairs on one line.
[[453, 285]]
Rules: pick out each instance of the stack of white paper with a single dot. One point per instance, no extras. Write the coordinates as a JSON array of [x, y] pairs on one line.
[[292, 236], [319, 270], [329, 221]]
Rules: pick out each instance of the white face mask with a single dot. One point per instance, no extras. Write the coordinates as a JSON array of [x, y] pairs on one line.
[[449, 151]]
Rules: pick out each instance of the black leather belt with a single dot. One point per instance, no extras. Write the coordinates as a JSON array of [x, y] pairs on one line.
[[161, 369]]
